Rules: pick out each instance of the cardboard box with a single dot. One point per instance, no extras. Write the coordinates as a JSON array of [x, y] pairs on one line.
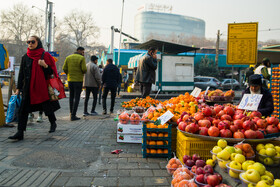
[[129, 129], [129, 138]]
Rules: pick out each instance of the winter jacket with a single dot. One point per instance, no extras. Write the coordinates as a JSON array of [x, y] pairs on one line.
[[75, 67], [92, 77], [110, 76], [266, 106], [146, 70]]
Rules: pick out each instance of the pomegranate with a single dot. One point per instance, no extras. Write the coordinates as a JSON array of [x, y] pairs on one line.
[[229, 110], [260, 135], [182, 126], [247, 125], [198, 116], [204, 123], [225, 133], [272, 120], [262, 123], [213, 131], [220, 113], [215, 122], [226, 117], [250, 134], [218, 108], [238, 123], [207, 111], [238, 135], [270, 129], [255, 114], [223, 125], [194, 128], [233, 128], [203, 131]]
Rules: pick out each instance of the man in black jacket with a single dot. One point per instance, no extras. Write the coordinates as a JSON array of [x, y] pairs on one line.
[[146, 71], [110, 81], [266, 106]]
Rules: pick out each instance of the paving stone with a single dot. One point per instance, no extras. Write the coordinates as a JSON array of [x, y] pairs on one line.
[[141, 173], [158, 160], [118, 173], [148, 166], [109, 166], [95, 173], [108, 181], [79, 181], [138, 160], [131, 181], [159, 173], [128, 166], [163, 165], [155, 181], [129, 155], [60, 181], [117, 160], [71, 174]]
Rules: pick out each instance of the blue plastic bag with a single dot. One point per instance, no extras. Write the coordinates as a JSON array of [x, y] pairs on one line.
[[13, 108]]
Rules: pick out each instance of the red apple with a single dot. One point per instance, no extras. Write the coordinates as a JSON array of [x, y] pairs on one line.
[[250, 134], [208, 169], [200, 178], [186, 157], [238, 135], [270, 129], [203, 131], [219, 176], [213, 180], [229, 110], [213, 131], [205, 178], [199, 170], [190, 163], [194, 169], [196, 157], [207, 111], [200, 163], [225, 133], [204, 123]]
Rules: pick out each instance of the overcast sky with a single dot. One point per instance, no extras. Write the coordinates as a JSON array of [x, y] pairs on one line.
[[216, 13]]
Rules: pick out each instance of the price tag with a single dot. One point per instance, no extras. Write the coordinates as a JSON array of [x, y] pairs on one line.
[[196, 91], [165, 117], [250, 102], [206, 91]]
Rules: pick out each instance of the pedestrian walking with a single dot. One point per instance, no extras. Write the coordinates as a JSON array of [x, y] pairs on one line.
[[92, 83], [33, 84], [110, 81], [100, 89], [125, 81], [75, 68], [146, 74]]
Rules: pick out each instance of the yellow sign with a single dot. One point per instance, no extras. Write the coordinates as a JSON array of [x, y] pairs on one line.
[[242, 43]]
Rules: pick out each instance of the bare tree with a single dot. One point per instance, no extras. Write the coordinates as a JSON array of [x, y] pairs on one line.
[[81, 28]]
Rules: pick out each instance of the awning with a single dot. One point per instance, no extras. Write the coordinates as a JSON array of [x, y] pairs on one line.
[[133, 61], [166, 47]]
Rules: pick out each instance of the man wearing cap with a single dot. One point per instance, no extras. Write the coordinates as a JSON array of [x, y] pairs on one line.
[[262, 70], [255, 87], [92, 83]]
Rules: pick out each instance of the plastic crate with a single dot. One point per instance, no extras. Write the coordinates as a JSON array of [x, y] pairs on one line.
[[146, 138], [190, 146]]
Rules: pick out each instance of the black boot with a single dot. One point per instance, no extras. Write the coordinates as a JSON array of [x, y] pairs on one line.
[[53, 127], [17, 136]]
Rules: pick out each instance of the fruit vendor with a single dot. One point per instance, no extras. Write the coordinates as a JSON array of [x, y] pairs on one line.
[[255, 87]]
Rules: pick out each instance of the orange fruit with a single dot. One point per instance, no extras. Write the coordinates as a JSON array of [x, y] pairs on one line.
[[148, 134], [148, 151], [152, 143], [154, 134], [159, 151], [160, 135], [153, 151], [172, 161], [159, 142], [165, 151], [166, 135]]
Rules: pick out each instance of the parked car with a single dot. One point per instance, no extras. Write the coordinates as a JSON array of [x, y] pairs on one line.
[[226, 84], [204, 82]]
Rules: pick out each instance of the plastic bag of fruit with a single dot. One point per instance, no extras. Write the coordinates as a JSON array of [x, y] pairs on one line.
[[124, 118], [246, 149], [184, 172], [172, 165], [134, 119]]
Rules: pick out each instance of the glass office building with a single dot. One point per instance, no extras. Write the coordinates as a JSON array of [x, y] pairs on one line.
[[147, 23]]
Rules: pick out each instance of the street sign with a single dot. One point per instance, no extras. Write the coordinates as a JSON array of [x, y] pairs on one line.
[[242, 42], [250, 102], [54, 53]]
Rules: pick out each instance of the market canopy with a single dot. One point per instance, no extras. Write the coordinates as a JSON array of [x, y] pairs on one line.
[[166, 47], [133, 61]]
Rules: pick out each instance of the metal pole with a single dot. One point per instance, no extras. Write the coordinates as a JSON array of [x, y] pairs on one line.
[[232, 69], [120, 35], [46, 25], [112, 39], [217, 49], [50, 44]]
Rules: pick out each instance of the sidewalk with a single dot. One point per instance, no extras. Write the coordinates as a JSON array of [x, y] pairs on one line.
[[77, 154]]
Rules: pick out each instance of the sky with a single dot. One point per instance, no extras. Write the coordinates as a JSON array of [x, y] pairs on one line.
[[216, 14]]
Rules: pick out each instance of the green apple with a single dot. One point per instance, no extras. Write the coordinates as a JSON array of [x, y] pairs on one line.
[[214, 157], [244, 176], [277, 156], [259, 147], [269, 174], [232, 156], [251, 185], [253, 175], [235, 165], [222, 164], [223, 155], [277, 182], [262, 152], [216, 149], [222, 143], [258, 167], [238, 150], [246, 164], [269, 145], [267, 179], [230, 149], [277, 148], [262, 184], [268, 161], [210, 162], [239, 158], [270, 151], [233, 174]]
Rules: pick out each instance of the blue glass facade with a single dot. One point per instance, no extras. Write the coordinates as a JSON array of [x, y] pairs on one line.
[[165, 24]]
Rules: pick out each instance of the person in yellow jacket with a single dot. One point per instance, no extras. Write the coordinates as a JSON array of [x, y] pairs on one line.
[[75, 68]]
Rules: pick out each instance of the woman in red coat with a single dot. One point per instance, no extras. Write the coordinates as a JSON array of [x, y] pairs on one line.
[[33, 84]]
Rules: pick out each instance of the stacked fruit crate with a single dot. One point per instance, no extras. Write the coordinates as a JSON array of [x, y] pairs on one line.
[[156, 140], [275, 87]]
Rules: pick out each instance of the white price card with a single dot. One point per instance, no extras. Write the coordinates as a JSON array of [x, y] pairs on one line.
[[250, 102], [165, 117], [196, 91]]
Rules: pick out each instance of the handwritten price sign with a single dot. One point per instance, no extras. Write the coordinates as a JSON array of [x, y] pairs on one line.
[[250, 102], [196, 91], [166, 117]]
